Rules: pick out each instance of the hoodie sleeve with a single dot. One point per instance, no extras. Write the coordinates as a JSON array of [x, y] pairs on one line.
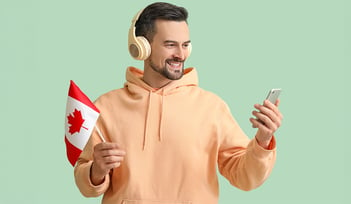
[[242, 161], [82, 171]]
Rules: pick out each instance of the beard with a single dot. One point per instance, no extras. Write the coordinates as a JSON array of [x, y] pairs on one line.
[[167, 71]]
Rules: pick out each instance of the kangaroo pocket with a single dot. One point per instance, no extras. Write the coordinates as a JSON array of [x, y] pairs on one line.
[[127, 201]]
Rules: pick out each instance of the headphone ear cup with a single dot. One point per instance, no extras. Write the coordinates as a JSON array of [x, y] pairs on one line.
[[190, 47], [138, 46], [144, 48]]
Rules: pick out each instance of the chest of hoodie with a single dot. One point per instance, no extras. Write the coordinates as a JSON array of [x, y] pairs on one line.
[[164, 135], [152, 124]]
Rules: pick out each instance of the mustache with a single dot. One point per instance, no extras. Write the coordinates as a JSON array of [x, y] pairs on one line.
[[175, 60]]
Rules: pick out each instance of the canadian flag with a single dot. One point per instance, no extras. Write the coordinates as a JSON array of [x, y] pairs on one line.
[[81, 116]]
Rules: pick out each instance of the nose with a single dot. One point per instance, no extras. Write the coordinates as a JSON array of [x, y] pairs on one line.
[[180, 53]]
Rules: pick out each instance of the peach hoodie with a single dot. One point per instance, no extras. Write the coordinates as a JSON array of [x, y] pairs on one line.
[[174, 138]]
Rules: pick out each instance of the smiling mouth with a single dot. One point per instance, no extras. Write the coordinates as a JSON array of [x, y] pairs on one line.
[[175, 65]]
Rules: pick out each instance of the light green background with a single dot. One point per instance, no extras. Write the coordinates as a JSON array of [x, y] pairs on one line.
[[241, 50]]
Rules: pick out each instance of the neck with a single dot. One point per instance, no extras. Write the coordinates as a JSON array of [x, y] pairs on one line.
[[154, 79]]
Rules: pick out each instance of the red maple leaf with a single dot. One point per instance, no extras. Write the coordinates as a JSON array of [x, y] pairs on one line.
[[76, 121]]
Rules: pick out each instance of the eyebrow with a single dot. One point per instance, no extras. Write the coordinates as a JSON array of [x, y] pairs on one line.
[[172, 41]]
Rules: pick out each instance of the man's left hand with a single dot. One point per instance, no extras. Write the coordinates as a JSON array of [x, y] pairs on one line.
[[268, 120]]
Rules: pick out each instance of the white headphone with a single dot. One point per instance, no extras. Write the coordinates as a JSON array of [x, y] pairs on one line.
[[139, 47]]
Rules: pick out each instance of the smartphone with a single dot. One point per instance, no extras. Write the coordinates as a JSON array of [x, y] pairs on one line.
[[273, 95]]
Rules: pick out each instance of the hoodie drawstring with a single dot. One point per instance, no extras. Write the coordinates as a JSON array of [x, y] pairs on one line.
[[146, 131], [161, 117], [149, 115]]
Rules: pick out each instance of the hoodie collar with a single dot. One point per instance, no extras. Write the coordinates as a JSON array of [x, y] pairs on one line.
[[134, 77]]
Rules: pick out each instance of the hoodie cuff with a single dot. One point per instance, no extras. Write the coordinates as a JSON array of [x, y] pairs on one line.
[[259, 151], [91, 190], [271, 145]]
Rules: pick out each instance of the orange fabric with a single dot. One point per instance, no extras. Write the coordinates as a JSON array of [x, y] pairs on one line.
[[174, 138], [272, 144]]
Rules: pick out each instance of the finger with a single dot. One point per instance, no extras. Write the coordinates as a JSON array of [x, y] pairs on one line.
[[110, 166], [271, 111], [107, 149], [270, 105], [264, 111], [110, 162], [106, 146], [114, 158], [259, 125], [274, 107], [112, 154], [114, 165], [261, 117], [255, 123], [113, 162], [265, 121], [263, 130]]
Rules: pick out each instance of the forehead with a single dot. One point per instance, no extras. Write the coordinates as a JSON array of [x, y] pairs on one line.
[[171, 30]]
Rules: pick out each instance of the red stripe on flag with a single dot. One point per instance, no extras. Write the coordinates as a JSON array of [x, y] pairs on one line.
[[72, 152], [76, 93]]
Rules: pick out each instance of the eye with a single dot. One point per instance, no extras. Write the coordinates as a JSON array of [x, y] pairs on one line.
[[170, 45], [186, 45]]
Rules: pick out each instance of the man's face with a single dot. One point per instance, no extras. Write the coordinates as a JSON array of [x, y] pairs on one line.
[[169, 48]]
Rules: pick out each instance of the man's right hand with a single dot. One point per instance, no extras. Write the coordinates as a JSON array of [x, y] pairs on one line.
[[106, 156]]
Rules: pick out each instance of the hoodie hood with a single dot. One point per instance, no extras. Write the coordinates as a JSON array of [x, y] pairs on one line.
[[156, 99]]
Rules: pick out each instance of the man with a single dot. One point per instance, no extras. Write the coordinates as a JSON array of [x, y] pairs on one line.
[[166, 136]]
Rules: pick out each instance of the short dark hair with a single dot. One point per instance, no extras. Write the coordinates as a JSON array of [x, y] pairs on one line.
[[145, 25]]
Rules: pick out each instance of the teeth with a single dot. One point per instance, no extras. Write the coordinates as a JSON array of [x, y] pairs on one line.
[[175, 64]]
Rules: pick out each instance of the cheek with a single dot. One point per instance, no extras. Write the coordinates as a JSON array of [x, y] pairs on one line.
[[159, 57]]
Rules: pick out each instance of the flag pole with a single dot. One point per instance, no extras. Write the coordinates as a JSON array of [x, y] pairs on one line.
[[100, 134]]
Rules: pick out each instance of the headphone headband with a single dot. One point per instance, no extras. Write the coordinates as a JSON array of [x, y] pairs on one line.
[[136, 17]]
